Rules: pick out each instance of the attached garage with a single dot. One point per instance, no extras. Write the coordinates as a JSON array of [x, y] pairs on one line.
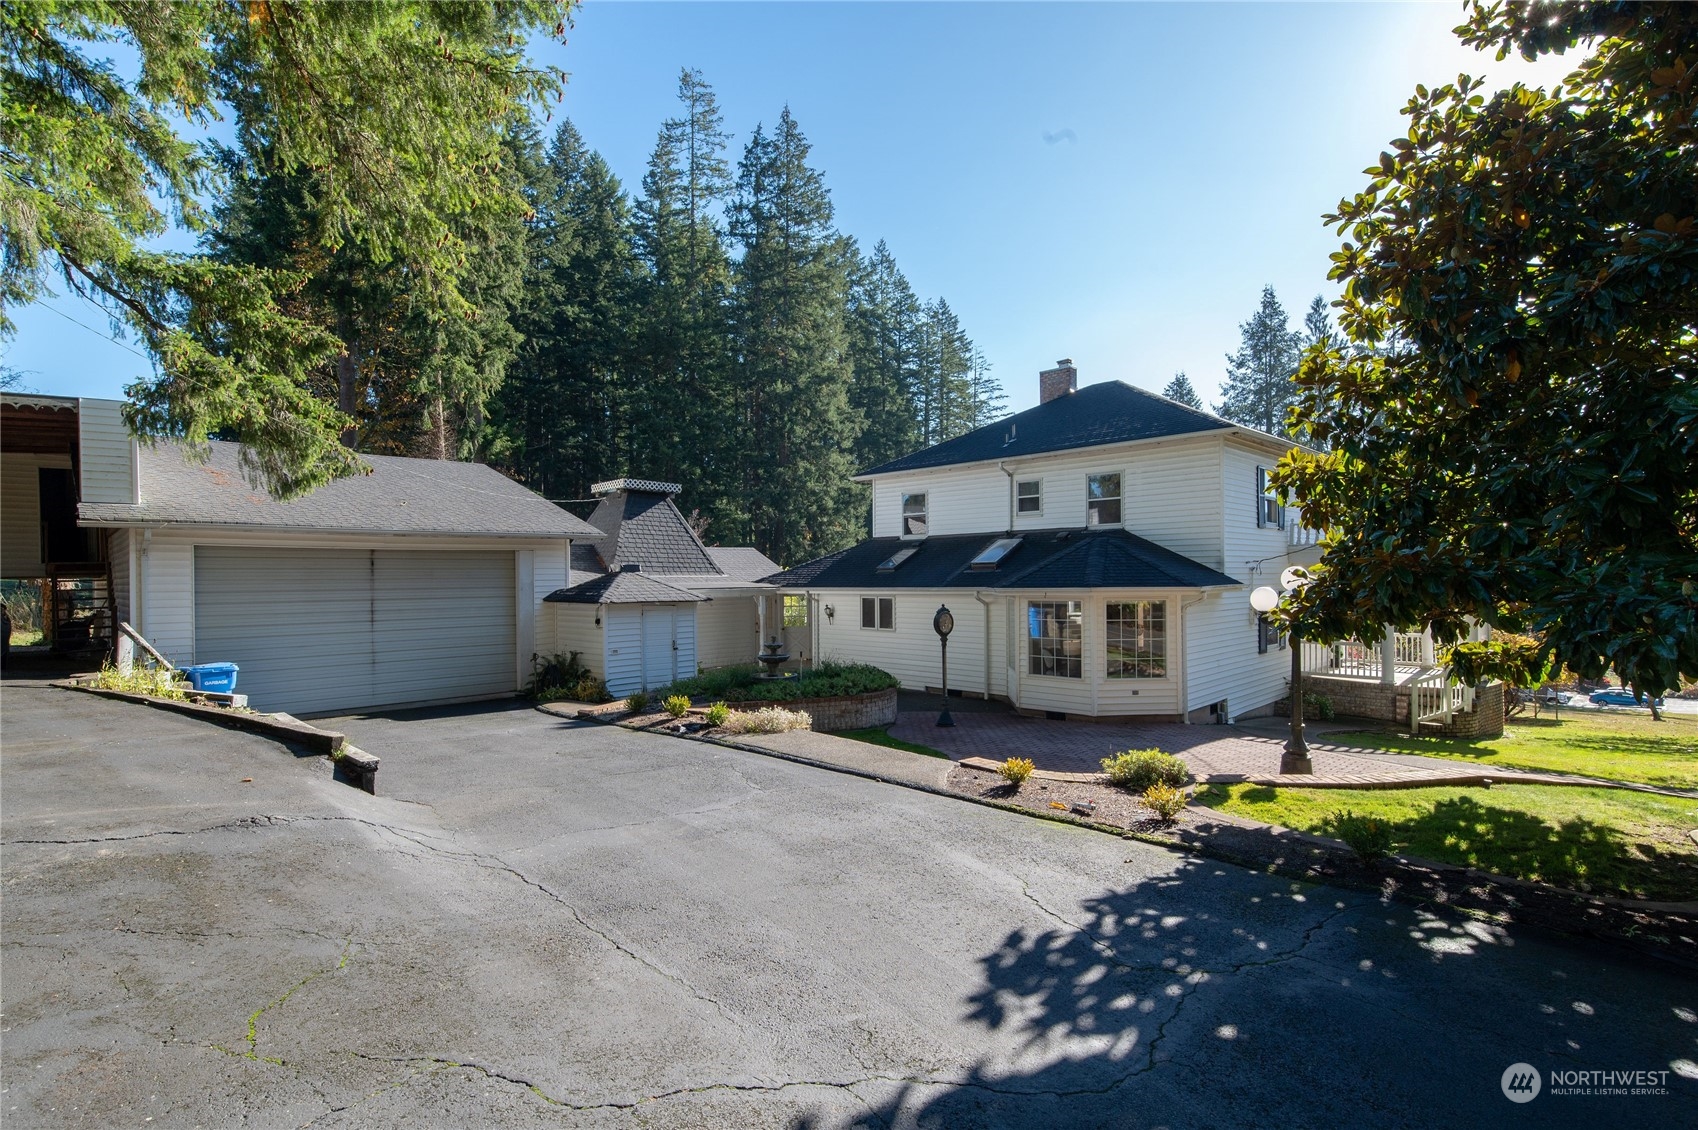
[[327, 629], [418, 583]]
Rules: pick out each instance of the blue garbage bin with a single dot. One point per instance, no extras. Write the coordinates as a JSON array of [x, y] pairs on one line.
[[219, 678]]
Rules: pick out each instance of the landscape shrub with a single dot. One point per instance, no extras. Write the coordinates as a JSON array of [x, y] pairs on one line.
[[718, 713], [155, 681], [1165, 801], [561, 677], [1370, 838], [1317, 706], [637, 702], [676, 705], [829, 679], [768, 720], [1135, 770], [1015, 770]]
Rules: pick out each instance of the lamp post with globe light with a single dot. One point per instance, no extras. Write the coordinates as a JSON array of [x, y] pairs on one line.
[[1296, 759]]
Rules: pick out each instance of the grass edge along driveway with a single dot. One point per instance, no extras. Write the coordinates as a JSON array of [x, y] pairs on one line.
[[1597, 840]]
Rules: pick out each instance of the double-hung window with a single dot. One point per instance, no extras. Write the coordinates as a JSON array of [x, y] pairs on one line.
[[1055, 631], [1270, 511], [878, 612], [1102, 500], [914, 515], [1268, 635], [1137, 639], [1029, 496]]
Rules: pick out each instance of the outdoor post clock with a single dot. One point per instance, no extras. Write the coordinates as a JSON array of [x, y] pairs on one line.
[[943, 623]]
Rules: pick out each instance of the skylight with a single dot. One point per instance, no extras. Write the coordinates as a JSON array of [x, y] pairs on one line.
[[993, 553], [889, 564]]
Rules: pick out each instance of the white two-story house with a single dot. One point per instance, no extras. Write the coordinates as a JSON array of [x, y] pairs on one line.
[[1097, 553]]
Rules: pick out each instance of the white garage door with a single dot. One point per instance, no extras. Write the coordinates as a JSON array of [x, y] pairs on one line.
[[317, 630]]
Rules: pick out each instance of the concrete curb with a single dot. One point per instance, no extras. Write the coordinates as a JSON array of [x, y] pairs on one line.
[[1190, 841], [354, 766]]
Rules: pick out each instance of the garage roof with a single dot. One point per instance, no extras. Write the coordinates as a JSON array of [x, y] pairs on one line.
[[401, 496]]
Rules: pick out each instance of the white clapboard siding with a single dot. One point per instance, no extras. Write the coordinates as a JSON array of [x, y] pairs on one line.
[[910, 652], [573, 627], [727, 631], [168, 597], [105, 452], [317, 630], [20, 512], [1171, 494], [1222, 659], [118, 553]]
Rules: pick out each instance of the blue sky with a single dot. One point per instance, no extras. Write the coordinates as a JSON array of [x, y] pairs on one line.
[[1108, 182]]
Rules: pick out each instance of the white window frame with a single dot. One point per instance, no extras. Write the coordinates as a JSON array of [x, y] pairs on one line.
[[1270, 509], [1152, 656], [1020, 498], [923, 514], [878, 605], [1119, 498], [1072, 615]]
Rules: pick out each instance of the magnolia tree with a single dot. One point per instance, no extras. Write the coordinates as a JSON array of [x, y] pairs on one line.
[[1511, 426]]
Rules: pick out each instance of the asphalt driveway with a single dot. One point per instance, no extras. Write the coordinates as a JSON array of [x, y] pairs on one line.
[[543, 923]]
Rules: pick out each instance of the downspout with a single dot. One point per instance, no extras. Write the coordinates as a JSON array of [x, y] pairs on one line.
[[986, 604], [1010, 474], [1185, 660]]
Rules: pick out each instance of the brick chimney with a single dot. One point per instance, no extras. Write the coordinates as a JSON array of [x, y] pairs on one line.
[[1063, 380]]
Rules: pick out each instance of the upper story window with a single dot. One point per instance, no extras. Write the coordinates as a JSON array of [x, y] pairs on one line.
[[1102, 500], [1137, 639], [878, 612], [1055, 638], [914, 515], [1029, 496], [1270, 511]]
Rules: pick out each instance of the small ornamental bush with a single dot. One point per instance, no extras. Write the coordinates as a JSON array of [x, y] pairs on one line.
[[1368, 837], [638, 702], [1165, 801], [1136, 770], [769, 720], [1317, 706], [563, 678], [677, 705], [1015, 770], [718, 713]]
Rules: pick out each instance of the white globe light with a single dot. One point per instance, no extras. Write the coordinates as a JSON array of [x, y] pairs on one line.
[[1294, 576], [1264, 599]]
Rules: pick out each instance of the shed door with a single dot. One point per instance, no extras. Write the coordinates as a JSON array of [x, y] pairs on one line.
[[659, 648], [317, 630]]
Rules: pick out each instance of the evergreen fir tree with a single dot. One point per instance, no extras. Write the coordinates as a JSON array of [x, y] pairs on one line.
[[567, 410], [884, 329], [1318, 327], [990, 402], [688, 432], [1258, 387], [1179, 389], [792, 370], [946, 375]]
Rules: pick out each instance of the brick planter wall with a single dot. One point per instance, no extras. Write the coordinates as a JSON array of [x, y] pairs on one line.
[[1357, 698], [848, 712], [1484, 721]]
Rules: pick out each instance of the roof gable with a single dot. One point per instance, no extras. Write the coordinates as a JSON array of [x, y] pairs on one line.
[[1107, 412]]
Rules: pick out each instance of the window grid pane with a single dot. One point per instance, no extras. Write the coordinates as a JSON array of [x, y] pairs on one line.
[[1137, 640], [1102, 500], [1029, 497], [1056, 634], [914, 514], [887, 613], [867, 620]]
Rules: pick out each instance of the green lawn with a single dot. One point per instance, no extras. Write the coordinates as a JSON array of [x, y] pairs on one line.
[[1606, 841], [1619, 747], [877, 736]]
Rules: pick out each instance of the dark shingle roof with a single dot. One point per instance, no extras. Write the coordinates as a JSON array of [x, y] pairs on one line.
[[742, 562], [626, 587], [1049, 559], [407, 496], [644, 528], [1108, 412]]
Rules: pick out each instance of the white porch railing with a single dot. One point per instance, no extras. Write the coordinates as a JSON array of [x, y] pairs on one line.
[[1298, 535], [1433, 697], [1402, 659], [1347, 657]]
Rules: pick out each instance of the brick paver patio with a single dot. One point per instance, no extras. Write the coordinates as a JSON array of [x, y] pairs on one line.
[[1213, 753]]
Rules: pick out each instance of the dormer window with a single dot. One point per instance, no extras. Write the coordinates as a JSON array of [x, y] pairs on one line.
[[914, 515], [1102, 500], [1029, 496]]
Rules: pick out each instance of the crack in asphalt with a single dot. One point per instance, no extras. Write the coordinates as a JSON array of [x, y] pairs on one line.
[[252, 1036]]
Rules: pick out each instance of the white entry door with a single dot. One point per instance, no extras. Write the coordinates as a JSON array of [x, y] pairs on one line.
[[660, 649]]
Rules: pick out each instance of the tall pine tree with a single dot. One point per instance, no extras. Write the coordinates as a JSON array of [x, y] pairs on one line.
[[568, 409], [791, 366], [884, 331], [1258, 387], [1179, 389]]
